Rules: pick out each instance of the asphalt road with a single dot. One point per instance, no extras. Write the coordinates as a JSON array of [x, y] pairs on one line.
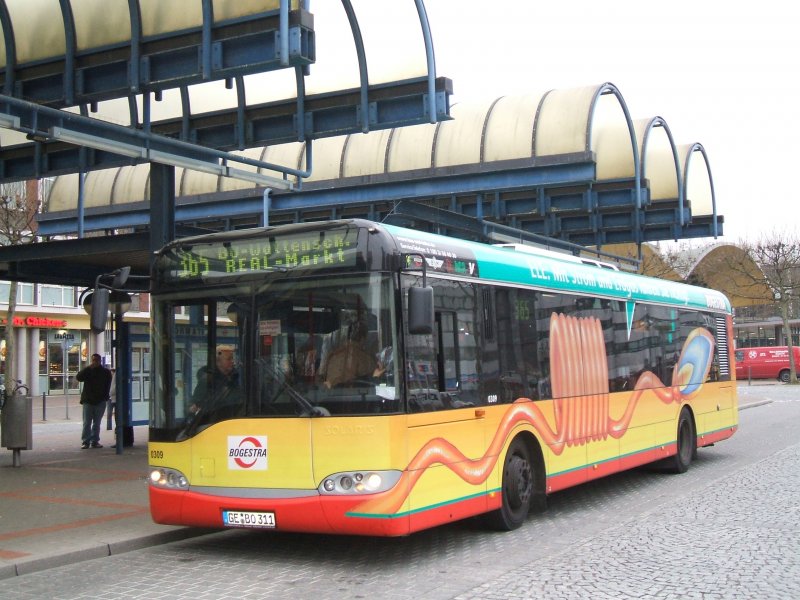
[[729, 528]]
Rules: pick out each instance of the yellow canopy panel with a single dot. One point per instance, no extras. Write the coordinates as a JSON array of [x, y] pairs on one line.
[[560, 122], [39, 24]]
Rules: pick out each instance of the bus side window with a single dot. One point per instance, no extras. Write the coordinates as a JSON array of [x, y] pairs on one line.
[[517, 356], [448, 352], [446, 369]]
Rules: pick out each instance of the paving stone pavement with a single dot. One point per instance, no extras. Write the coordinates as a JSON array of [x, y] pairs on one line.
[[745, 554]]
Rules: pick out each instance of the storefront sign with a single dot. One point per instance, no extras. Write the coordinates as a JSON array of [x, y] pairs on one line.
[[32, 321]]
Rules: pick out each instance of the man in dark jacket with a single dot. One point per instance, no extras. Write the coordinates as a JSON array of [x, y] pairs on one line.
[[96, 390]]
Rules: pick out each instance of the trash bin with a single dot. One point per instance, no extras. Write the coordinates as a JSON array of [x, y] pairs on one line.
[[16, 421]]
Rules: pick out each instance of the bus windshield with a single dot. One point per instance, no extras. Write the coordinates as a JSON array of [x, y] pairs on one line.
[[286, 347]]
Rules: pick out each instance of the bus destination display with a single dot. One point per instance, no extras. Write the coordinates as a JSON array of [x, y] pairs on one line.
[[310, 251]]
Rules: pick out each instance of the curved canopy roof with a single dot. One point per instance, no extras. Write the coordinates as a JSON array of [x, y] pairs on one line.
[[97, 37], [542, 129], [145, 80], [721, 266], [91, 86], [731, 270]]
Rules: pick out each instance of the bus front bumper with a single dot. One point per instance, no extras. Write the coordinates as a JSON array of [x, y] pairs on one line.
[[303, 513]]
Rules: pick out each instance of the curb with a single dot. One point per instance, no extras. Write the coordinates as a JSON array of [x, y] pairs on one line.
[[101, 551], [754, 404]]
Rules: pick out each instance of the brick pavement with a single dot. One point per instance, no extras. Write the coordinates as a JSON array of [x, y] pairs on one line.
[[712, 545], [65, 504]]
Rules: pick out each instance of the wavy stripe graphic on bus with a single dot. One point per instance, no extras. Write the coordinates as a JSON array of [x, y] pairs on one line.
[[578, 419]]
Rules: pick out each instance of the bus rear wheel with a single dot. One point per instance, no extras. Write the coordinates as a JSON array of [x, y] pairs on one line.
[[517, 489], [687, 443]]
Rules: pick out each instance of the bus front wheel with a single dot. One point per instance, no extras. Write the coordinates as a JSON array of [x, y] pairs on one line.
[[517, 490]]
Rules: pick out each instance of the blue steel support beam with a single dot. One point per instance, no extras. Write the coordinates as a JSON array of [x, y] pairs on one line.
[[77, 132], [74, 262], [345, 194], [398, 104], [162, 206], [617, 221], [10, 47], [430, 58], [212, 51], [363, 113], [135, 60], [69, 51]]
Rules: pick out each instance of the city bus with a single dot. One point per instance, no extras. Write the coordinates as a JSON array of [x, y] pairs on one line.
[[380, 380]]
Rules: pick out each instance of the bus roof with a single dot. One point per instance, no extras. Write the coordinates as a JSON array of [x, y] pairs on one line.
[[550, 271]]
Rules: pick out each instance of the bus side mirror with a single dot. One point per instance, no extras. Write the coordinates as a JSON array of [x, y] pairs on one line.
[[99, 314], [420, 310]]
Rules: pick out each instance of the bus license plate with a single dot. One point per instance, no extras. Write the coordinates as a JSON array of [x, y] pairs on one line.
[[242, 518]]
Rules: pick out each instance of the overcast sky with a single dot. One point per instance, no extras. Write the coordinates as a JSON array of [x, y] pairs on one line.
[[724, 74]]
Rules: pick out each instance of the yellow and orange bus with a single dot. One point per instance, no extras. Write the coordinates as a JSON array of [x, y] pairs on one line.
[[385, 380]]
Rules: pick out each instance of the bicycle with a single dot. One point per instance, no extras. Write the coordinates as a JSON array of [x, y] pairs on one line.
[[19, 388]]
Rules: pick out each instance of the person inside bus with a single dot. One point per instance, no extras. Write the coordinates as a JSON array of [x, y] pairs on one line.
[[307, 359], [345, 357], [384, 363], [218, 387]]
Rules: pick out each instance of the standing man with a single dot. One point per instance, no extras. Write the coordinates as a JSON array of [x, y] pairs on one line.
[[96, 389]]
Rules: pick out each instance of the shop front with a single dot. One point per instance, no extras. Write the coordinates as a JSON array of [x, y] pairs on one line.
[[49, 351], [62, 353]]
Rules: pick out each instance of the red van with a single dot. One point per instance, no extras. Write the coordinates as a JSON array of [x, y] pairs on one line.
[[767, 362]]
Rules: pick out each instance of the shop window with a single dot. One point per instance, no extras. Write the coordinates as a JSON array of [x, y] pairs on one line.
[[57, 295], [24, 293]]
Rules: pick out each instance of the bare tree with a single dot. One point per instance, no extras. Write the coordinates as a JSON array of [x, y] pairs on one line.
[[778, 258], [19, 205]]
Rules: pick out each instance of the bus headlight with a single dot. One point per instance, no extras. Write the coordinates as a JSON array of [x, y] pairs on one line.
[[359, 482], [170, 479]]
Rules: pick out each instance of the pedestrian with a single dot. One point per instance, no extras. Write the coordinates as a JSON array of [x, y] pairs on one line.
[[96, 389]]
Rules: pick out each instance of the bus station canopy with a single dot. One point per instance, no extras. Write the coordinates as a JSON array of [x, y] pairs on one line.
[[562, 164], [122, 82]]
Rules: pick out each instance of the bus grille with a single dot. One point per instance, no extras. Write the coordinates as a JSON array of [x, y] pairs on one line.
[[722, 346]]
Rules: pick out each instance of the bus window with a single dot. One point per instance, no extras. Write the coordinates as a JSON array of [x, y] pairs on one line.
[[443, 369], [205, 363], [327, 344], [447, 337], [520, 370]]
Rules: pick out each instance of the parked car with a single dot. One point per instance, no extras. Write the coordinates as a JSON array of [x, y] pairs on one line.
[[765, 362]]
